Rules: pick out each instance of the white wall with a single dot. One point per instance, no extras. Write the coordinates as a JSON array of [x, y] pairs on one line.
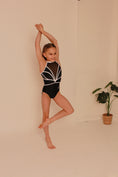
[[21, 83], [96, 68], [85, 32], [113, 67]]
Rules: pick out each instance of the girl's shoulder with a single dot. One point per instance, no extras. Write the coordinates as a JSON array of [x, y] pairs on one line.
[[58, 61]]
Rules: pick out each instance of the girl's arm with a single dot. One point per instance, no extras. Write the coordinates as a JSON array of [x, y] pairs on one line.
[[51, 39], [54, 41], [38, 48]]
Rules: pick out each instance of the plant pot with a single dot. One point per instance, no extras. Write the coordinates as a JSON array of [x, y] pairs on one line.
[[107, 120]]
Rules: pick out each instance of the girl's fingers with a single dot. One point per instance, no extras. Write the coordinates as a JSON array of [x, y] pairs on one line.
[[39, 27]]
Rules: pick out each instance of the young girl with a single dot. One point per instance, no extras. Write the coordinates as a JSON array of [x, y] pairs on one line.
[[50, 69]]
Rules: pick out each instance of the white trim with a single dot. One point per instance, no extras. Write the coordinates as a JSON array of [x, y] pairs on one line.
[[43, 76], [54, 78], [57, 72], [48, 73], [51, 72], [46, 65], [51, 83], [48, 80], [59, 78]]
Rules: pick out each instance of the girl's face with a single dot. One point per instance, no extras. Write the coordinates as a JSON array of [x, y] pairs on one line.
[[50, 54]]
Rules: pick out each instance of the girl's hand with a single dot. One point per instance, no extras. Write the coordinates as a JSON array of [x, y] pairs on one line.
[[39, 27]]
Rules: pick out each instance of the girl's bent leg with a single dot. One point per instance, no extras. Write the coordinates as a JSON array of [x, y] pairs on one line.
[[66, 109]]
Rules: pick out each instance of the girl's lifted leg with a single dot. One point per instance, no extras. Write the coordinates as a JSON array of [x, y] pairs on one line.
[[66, 110]]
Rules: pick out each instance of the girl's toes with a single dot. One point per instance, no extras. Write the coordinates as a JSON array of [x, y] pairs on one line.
[[40, 126]]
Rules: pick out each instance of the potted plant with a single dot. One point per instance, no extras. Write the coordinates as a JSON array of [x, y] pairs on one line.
[[107, 96]]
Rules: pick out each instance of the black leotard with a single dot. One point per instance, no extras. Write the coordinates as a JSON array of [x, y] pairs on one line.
[[52, 78]]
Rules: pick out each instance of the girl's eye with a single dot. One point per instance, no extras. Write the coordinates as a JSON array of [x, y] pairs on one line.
[[52, 54]]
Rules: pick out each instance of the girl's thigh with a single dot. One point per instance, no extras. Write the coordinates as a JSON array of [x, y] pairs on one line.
[[63, 102], [45, 100]]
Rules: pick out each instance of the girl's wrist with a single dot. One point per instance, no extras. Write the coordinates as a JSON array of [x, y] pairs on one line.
[[39, 31], [43, 32]]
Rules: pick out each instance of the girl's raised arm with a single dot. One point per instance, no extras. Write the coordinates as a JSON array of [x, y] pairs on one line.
[[51, 39], [38, 48], [54, 41]]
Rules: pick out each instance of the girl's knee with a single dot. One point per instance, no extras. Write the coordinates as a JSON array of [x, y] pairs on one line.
[[70, 110]]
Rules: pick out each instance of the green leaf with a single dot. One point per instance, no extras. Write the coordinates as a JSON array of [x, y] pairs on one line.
[[102, 97], [116, 96], [110, 83], [96, 90]]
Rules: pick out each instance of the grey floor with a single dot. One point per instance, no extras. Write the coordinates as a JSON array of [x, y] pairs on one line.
[[83, 149]]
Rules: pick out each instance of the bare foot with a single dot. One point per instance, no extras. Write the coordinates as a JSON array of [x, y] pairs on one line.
[[44, 124], [49, 143]]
